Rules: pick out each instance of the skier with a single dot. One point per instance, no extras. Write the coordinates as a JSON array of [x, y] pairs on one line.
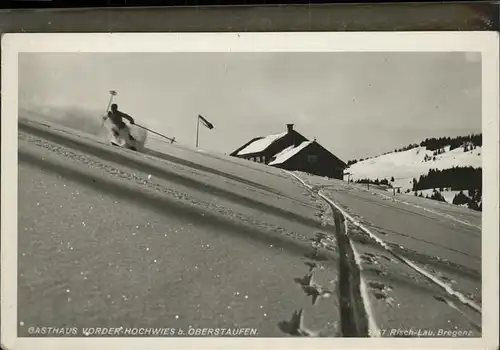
[[116, 118]]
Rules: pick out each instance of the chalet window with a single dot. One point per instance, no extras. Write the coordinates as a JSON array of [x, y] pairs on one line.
[[312, 158]]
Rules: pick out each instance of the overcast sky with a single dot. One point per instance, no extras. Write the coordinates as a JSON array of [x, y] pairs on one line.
[[354, 104]]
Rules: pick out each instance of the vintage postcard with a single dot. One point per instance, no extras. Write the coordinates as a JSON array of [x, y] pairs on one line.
[[250, 190]]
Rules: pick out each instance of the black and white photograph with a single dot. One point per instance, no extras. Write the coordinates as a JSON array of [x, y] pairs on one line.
[[250, 189]]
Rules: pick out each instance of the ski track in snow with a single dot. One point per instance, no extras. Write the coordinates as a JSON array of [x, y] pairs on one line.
[[448, 216], [373, 329], [450, 291]]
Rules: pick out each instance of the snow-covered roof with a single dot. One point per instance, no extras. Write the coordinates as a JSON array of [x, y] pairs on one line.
[[261, 144], [289, 152]]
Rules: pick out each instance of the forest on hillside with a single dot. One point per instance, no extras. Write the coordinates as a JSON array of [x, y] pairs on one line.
[[464, 179], [470, 141], [473, 200], [456, 178], [383, 182], [437, 144]]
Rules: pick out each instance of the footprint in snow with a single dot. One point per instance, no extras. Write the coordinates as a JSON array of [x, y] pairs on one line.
[[440, 298], [369, 260], [372, 258], [314, 256], [429, 268], [380, 286], [315, 290], [315, 265], [382, 295], [378, 272], [304, 281], [471, 295], [363, 239], [322, 240], [316, 188], [447, 279], [443, 277], [320, 235], [296, 326], [380, 292], [388, 258]]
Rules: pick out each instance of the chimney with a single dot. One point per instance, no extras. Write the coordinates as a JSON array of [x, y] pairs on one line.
[[289, 127]]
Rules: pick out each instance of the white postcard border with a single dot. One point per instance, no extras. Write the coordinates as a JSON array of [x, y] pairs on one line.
[[486, 43]]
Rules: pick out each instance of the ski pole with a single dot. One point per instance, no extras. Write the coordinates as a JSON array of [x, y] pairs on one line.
[[172, 140], [113, 93]]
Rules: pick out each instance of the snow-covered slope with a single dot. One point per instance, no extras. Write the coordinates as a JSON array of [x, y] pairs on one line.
[[78, 118], [406, 165]]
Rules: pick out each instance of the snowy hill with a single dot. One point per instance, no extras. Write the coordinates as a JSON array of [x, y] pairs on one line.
[[78, 118], [400, 168], [406, 165]]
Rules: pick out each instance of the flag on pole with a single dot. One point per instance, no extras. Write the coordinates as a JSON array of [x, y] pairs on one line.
[[205, 122]]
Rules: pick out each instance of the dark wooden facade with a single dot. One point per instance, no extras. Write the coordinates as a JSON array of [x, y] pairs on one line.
[[313, 158]]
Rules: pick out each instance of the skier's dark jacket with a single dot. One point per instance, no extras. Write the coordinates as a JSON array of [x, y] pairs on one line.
[[117, 118]]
